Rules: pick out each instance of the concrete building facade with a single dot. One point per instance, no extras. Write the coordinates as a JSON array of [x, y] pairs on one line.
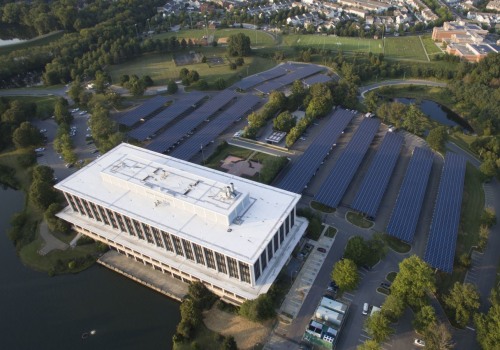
[[185, 220]]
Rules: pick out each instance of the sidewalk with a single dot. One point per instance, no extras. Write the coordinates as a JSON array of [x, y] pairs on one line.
[[50, 242]]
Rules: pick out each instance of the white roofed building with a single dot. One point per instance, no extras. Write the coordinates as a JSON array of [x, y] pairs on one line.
[[188, 221]]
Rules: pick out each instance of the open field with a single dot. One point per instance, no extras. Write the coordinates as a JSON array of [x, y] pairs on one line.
[[257, 37], [405, 48], [161, 68], [38, 41], [430, 46], [44, 104], [330, 42]]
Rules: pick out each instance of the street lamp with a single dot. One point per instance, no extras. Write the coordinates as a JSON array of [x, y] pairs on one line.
[[202, 155]]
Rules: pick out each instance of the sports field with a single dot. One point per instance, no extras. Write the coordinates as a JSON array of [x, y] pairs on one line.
[[430, 46], [257, 37], [407, 48]]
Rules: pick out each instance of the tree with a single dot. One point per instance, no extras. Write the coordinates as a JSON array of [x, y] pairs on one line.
[[424, 318], [26, 135], [488, 325], [414, 120], [172, 87], [369, 345], [488, 168], [229, 343], [378, 326], [414, 279], [190, 312], [438, 337], [238, 45], [220, 84], [464, 301], [357, 250], [284, 121], [42, 194], [437, 138], [259, 309], [43, 173], [371, 101], [200, 293], [345, 274], [61, 112], [393, 307]]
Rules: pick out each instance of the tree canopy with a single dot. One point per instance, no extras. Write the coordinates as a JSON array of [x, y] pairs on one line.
[[345, 274], [488, 324], [238, 45], [463, 299]]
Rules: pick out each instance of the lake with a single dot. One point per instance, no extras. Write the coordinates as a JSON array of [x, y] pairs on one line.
[[438, 112], [42, 312], [10, 42]]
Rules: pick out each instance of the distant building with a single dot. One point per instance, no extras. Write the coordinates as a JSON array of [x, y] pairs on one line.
[[493, 5], [185, 220]]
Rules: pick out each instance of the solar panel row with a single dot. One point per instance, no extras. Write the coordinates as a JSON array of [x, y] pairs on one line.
[[377, 177], [406, 211], [144, 110], [268, 87], [301, 73], [256, 79], [213, 129], [304, 169], [319, 78], [173, 134], [333, 189], [166, 116], [443, 233]]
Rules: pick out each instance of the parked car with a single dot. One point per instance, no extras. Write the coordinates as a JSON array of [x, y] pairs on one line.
[[320, 249], [365, 308], [43, 131], [385, 285], [69, 165], [40, 149]]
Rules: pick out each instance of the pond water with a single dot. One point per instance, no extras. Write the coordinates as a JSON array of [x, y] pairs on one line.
[[10, 42], [438, 112], [42, 312]]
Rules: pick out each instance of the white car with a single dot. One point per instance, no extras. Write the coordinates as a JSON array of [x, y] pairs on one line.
[[41, 149], [365, 308], [43, 131], [419, 342]]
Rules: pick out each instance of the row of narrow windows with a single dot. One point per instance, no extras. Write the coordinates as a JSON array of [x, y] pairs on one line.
[[189, 250]]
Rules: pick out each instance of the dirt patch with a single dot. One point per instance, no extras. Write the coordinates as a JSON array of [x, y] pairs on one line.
[[246, 333], [238, 166]]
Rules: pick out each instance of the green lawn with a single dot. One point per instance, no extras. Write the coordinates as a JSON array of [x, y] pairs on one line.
[[396, 244], [44, 104], [221, 153], [430, 45], [321, 207], [204, 338], [39, 41], [161, 68], [333, 43], [331, 232], [391, 276], [406, 48]]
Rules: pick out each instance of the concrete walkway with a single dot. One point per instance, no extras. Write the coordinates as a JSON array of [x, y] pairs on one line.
[[50, 242]]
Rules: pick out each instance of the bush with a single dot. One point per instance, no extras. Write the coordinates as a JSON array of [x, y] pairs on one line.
[[232, 66], [315, 227], [259, 309], [240, 61]]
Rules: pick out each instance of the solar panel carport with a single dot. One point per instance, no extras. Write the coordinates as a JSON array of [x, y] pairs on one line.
[[203, 137], [333, 189], [304, 169], [144, 110], [177, 131], [301, 73], [166, 116], [254, 80], [377, 177], [404, 217], [443, 233]]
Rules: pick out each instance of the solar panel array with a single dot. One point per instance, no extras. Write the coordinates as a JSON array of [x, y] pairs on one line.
[[256, 79], [144, 110], [213, 129], [319, 78], [173, 134], [304, 169], [333, 189], [299, 74], [160, 120], [404, 217], [377, 177], [269, 86], [443, 233]]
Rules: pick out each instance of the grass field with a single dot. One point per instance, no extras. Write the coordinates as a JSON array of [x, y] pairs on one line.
[[39, 41], [330, 42], [430, 46], [406, 48], [44, 104], [257, 37], [161, 68]]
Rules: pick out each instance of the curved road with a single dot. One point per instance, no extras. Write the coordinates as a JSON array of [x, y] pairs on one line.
[[366, 88]]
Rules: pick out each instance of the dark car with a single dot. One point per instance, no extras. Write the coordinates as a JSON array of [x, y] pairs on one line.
[[367, 267], [385, 285], [320, 249]]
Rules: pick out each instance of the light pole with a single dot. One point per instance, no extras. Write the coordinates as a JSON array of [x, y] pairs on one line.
[[202, 155]]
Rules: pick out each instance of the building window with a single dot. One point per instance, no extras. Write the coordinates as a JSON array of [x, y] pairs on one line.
[[95, 211], [80, 206], [130, 227], [256, 269], [138, 229], [188, 250], [198, 253], [103, 214], [71, 201], [244, 272], [147, 232], [177, 245], [209, 255], [156, 234], [233, 267], [221, 262], [282, 233], [119, 218], [263, 260], [168, 243], [293, 218], [87, 208], [270, 250], [276, 244], [112, 218]]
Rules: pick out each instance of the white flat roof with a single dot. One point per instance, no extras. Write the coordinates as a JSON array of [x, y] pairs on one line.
[[186, 199]]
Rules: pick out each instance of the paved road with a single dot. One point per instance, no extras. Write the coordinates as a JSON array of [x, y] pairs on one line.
[[366, 88]]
